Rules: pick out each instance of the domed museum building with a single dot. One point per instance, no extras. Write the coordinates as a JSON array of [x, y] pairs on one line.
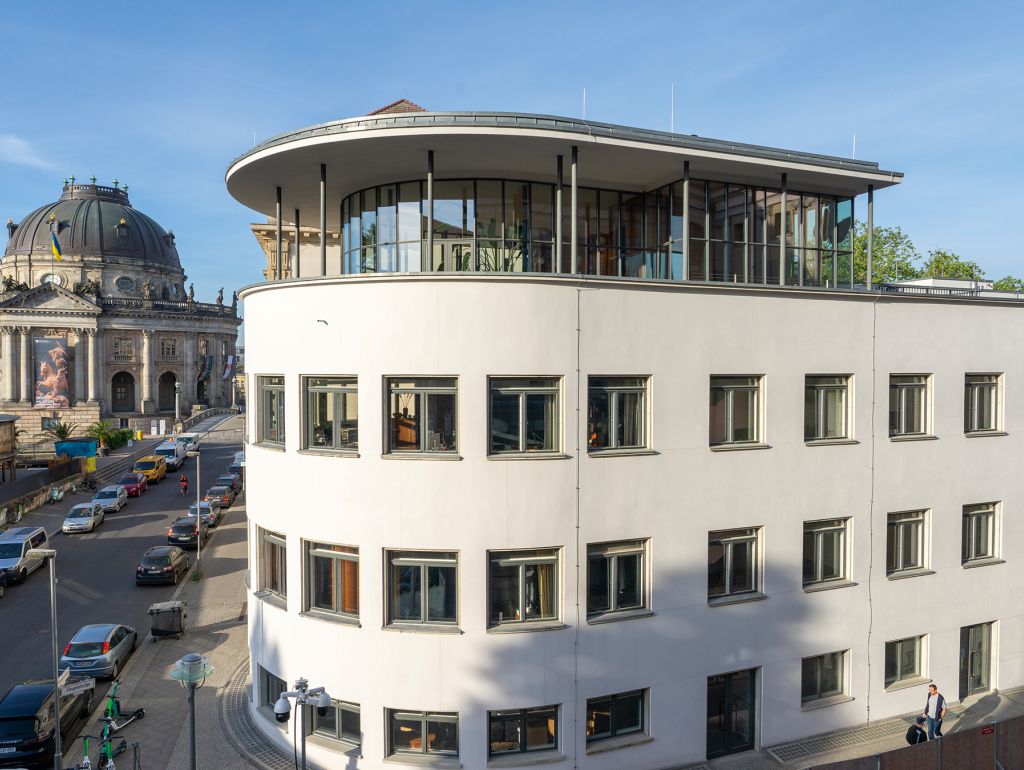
[[96, 321]]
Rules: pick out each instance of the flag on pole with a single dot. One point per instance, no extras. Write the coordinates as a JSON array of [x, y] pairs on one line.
[[55, 246]]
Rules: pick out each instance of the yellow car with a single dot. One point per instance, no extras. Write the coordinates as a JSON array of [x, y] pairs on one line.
[[153, 467]]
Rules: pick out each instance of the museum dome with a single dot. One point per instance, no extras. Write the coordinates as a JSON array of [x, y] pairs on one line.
[[94, 221]]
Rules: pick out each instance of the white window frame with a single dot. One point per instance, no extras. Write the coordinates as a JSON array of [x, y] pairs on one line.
[[974, 383], [729, 390], [843, 677], [618, 385], [817, 528], [730, 538], [503, 386], [265, 388], [337, 389], [903, 383], [311, 552], [423, 560], [280, 542], [969, 555], [817, 384], [612, 552], [895, 525], [919, 650], [522, 558]]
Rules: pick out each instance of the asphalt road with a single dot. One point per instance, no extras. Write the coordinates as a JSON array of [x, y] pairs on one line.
[[96, 570]]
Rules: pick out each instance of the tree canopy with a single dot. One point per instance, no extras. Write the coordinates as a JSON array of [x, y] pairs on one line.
[[895, 258]]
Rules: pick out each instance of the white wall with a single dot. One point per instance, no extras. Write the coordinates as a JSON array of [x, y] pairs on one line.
[[472, 326]]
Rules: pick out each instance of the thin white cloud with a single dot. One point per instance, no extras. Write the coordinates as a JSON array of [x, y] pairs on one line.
[[14, 149]]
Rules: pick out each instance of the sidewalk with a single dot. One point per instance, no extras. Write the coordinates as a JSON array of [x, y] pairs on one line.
[[215, 628]]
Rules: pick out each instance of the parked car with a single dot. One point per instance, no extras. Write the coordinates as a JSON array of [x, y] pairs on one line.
[[162, 564], [212, 512], [226, 495], [183, 532], [99, 650], [238, 465], [84, 517], [112, 497], [173, 452], [134, 484], [15, 563], [153, 467], [26, 722], [232, 480]]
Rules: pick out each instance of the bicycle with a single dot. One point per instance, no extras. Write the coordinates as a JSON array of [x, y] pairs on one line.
[[105, 761], [112, 712]]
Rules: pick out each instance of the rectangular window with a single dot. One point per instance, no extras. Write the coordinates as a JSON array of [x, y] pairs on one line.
[[979, 533], [333, 579], [903, 660], [523, 586], [735, 410], [332, 405], [522, 730], [825, 549], [733, 562], [423, 732], [423, 415], [124, 346], [524, 415], [273, 563], [905, 549], [822, 676], [614, 715], [825, 408], [340, 723], [908, 405], [168, 347], [271, 687], [616, 413], [981, 403], [616, 577], [271, 415], [422, 587]]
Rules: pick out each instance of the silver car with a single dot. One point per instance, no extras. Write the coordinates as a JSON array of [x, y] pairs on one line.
[[99, 650], [84, 517], [112, 497]]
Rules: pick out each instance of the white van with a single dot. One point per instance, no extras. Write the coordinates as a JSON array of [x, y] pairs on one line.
[[15, 563], [173, 452], [189, 440]]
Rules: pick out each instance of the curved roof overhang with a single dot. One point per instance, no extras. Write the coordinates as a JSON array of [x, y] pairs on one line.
[[366, 151]]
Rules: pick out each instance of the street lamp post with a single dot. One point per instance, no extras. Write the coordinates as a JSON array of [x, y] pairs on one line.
[[304, 695], [192, 671], [50, 555], [177, 400], [199, 511]]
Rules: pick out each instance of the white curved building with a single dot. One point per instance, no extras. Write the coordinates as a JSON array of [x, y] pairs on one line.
[[598, 490]]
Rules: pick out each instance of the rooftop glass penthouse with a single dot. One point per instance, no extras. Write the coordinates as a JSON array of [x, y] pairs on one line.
[[498, 192]]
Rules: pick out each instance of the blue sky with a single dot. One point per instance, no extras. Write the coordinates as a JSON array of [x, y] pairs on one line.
[[164, 95]]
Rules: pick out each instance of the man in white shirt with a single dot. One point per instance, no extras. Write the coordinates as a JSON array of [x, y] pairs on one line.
[[934, 711]]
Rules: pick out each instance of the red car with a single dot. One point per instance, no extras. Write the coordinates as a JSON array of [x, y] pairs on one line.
[[134, 483]]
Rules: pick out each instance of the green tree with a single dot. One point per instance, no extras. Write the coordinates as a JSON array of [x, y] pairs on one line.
[[947, 264], [59, 431], [894, 255], [1009, 283], [101, 431]]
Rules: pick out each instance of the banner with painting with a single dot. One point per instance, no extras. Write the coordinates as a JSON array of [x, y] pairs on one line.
[[52, 373]]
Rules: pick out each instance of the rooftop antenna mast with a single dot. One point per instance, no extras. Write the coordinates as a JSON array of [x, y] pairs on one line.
[[672, 117], [584, 102], [853, 154]]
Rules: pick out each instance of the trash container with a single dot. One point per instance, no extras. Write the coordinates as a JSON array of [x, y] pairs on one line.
[[167, 619]]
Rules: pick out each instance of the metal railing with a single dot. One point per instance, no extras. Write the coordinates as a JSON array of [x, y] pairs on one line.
[[198, 417]]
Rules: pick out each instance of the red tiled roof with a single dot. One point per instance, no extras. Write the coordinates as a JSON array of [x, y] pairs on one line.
[[402, 105]]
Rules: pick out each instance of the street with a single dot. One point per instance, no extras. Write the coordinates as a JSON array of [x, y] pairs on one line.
[[96, 571]]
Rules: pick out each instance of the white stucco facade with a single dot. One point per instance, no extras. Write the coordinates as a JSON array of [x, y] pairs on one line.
[[672, 494]]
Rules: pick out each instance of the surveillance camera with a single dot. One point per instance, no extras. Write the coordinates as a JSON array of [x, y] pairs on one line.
[[323, 704], [282, 709]]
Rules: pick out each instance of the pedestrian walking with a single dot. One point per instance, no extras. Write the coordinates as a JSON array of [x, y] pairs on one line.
[[183, 484], [934, 711], [916, 733]]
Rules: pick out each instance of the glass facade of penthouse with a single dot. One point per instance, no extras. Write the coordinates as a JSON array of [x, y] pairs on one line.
[[689, 230]]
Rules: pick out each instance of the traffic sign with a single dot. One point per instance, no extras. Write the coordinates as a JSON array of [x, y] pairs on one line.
[[81, 686]]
